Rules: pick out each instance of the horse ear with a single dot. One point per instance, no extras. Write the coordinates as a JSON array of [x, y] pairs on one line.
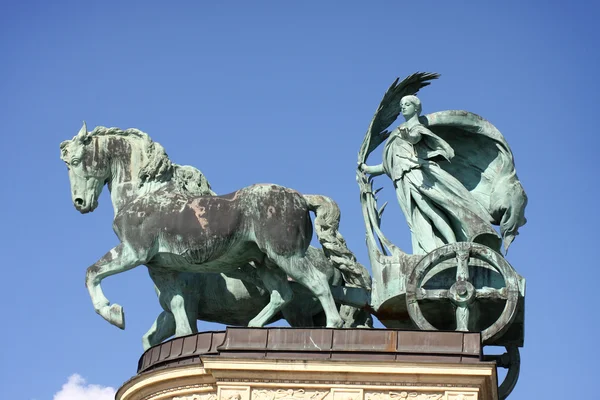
[[83, 134], [83, 130]]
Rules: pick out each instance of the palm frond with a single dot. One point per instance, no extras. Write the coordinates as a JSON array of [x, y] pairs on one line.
[[389, 109]]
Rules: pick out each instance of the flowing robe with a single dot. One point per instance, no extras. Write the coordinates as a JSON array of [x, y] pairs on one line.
[[437, 206]]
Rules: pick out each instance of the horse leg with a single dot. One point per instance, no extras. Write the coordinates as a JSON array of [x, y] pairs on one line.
[[120, 259], [185, 316], [275, 281], [173, 296], [302, 270], [161, 329]]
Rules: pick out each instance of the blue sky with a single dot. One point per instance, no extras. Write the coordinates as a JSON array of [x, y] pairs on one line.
[[283, 92]]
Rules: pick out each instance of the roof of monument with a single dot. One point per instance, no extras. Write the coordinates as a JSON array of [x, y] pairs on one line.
[[316, 343]]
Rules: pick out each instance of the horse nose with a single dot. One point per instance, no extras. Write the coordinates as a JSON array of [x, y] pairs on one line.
[[78, 202]]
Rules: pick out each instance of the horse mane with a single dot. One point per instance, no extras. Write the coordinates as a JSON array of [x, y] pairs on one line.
[[159, 168], [192, 181]]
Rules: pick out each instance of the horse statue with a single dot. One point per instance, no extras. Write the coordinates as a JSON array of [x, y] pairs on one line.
[[231, 301], [164, 226]]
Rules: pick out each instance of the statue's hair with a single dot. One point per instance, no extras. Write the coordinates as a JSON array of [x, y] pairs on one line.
[[415, 100], [159, 167]]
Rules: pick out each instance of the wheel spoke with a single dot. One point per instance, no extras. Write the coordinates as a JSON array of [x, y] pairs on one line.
[[432, 294], [462, 319], [491, 293], [462, 269]]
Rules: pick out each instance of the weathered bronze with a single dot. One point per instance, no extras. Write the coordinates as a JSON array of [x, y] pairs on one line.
[[319, 343], [232, 301], [244, 258], [453, 172], [454, 178], [171, 229]]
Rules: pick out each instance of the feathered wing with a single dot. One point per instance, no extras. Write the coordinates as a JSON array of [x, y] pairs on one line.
[[484, 164], [389, 109]]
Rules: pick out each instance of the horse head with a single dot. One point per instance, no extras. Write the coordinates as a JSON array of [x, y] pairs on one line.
[[125, 159], [88, 169]]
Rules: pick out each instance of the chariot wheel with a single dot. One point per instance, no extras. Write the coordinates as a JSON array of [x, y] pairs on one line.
[[511, 360], [462, 294]]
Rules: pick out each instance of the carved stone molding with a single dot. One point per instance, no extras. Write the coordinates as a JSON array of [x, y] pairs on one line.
[[203, 396], [288, 394], [403, 395], [307, 382], [252, 379], [239, 393], [461, 396], [233, 392], [346, 394]]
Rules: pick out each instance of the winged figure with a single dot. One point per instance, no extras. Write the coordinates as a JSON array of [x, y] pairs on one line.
[[452, 171]]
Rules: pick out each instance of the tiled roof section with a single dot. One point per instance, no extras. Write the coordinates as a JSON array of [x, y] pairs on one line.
[[316, 343]]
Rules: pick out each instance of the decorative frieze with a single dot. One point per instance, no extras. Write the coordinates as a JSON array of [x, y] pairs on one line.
[[288, 394], [203, 396], [238, 393], [252, 379], [403, 395]]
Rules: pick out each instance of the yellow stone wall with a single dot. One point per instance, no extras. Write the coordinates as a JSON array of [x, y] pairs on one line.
[[272, 379]]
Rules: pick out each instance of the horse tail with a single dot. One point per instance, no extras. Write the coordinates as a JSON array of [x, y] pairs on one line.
[[327, 222]]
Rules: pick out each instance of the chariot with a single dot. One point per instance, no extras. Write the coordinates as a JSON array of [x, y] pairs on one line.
[[455, 173], [463, 286]]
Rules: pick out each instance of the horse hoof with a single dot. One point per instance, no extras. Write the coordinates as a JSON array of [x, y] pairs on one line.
[[337, 324], [117, 316], [254, 324]]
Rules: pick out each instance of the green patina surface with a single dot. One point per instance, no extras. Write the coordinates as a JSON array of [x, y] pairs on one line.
[[454, 178], [168, 219]]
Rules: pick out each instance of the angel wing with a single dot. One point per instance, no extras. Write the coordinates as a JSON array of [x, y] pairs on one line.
[[389, 109]]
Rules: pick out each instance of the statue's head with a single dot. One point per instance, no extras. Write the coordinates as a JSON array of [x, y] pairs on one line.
[[410, 105], [88, 170]]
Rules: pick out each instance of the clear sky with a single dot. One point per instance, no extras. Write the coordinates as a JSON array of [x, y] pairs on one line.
[[283, 92]]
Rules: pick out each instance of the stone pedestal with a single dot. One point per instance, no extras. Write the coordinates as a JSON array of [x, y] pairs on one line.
[[314, 364]]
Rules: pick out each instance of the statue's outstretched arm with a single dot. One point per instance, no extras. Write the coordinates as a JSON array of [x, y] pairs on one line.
[[374, 170]]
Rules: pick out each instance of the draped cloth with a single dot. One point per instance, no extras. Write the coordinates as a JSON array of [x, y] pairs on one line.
[[454, 177]]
